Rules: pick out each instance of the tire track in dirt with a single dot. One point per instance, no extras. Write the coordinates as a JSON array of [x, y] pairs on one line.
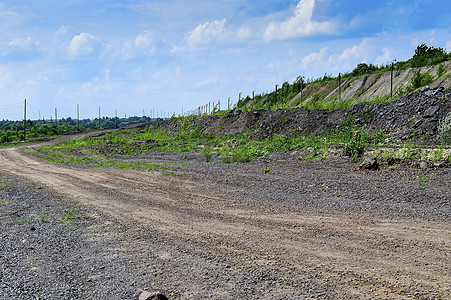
[[363, 256]]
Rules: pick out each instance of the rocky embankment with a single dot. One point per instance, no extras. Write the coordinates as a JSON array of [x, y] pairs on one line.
[[417, 113]]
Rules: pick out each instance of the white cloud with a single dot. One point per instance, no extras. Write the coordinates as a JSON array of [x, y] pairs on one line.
[[141, 45], [299, 25], [217, 31], [243, 33], [177, 49], [386, 56], [99, 87], [144, 40], [64, 33], [448, 45], [82, 45], [314, 58], [360, 51], [21, 49], [208, 32], [22, 45]]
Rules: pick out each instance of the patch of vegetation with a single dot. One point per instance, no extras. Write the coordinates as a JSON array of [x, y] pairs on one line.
[[440, 70], [68, 214], [445, 129], [355, 147], [428, 56]]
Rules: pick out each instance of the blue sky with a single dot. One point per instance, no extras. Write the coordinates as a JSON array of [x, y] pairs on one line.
[[165, 55]]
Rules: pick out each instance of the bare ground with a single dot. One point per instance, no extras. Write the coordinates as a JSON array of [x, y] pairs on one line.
[[303, 230]]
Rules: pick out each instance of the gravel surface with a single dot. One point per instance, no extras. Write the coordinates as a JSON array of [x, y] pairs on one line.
[[303, 230]]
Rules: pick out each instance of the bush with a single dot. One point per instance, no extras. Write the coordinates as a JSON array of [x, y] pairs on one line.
[[427, 56], [4, 139], [420, 80], [379, 137], [440, 70], [356, 145], [363, 68], [445, 129]]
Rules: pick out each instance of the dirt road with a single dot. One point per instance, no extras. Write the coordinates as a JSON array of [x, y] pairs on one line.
[[303, 230]]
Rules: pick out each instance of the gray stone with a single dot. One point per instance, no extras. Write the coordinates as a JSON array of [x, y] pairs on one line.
[[430, 111], [368, 164], [426, 88], [423, 165]]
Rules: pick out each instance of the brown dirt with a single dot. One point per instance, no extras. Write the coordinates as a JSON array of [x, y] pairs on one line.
[[304, 230]]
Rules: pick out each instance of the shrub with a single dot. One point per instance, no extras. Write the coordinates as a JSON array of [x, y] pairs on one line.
[[445, 129], [420, 80], [426, 56], [379, 137], [363, 68], [356, 145], [440, 70], [4, 139]]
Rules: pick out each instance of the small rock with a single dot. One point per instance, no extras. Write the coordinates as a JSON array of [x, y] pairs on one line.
[[367, 164], [423, 165], [426, 88], [149, 294], [440, 164], [430, 111]]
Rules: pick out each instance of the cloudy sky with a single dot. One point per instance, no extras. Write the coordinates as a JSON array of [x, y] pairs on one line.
[[168, 54]]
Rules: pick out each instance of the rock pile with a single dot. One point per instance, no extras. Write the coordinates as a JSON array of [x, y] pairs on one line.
[[416, 114]]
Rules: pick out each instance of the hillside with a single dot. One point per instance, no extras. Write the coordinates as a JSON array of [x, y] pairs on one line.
[[429, 66], [373, 85]]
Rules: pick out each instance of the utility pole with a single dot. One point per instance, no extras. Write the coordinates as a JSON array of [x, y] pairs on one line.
[[99, 117], [115, 117], [391, 79], [25, 121], [56, 120], [301, 89], [339, 86], [78, 117]]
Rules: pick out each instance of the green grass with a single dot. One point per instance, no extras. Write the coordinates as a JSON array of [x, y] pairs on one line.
[[68, 214], [99, 151], [117, 149]]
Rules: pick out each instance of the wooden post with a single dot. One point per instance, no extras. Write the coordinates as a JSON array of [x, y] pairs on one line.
[[78, 118], [339, 86], [301, 89], [391, 82], [56, 121], [25, 121]]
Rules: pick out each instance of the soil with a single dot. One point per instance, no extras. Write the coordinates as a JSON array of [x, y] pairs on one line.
[[274, 228]]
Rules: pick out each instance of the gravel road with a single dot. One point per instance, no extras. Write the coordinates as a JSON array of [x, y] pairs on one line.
[[302, 230]]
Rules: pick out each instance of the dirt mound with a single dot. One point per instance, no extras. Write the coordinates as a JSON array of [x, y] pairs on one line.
[[415, 114]]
